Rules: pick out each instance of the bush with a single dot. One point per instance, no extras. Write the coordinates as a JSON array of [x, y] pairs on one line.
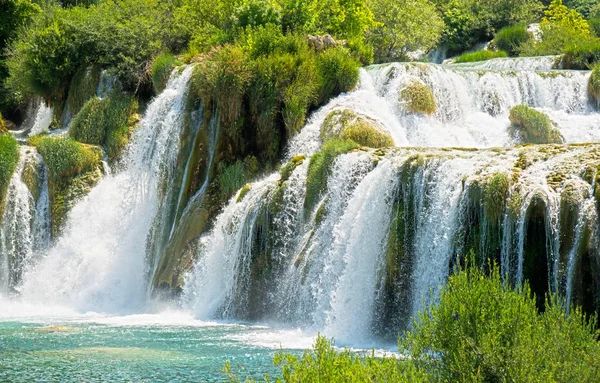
[[162, 65], [510, 39], [9, 157], [484, 331], [533, 127], [105, 122], [595, 26], [594, 84], [418, 98], [480, 56], [338, 72], [3, 129], [320, 167], [582, 54], [65, 157], [256, 13]]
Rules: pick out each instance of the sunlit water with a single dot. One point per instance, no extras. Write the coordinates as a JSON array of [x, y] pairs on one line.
[[166, 347]]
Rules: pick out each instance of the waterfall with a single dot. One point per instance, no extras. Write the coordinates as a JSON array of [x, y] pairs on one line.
[[541, 63], [99, 262], [25, 224]]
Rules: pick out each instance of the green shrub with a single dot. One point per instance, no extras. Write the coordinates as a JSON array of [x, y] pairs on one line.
[[83, 87], [338, 72], [254, 13], [418, 98], [65, 157], [320, 167], [106, 122], [595, 26], [533, 127], [162, 65], [484, 331], [88, 125], [9, 157], [495, 194], [582, 54], [594, 84], [323, 363], [222, 77], [510, 39], [479, 56]]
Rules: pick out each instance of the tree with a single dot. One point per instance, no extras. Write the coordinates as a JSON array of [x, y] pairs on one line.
[[403, 25]]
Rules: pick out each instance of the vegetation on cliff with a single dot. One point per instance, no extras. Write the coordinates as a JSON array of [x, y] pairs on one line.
[[9, 157], [533, 127]]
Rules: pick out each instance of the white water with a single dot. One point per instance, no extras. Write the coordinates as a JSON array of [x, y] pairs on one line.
[[515, 63], [99, 261], [25, 224]]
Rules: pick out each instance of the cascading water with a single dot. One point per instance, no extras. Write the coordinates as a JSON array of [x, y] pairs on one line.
[[25, 224], [337, 268], [99, 261]]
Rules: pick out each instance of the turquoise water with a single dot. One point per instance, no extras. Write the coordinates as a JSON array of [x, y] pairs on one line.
[[139, 348]]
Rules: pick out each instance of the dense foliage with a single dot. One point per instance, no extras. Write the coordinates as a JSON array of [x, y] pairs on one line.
[[481, 330]]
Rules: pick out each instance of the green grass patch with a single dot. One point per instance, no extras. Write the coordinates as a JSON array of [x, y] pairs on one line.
[[319, 169], [107, 122], [9, 157], [162, 65], [65, 157], [230, 179], [510, 39], [533, 127], [480, 56]]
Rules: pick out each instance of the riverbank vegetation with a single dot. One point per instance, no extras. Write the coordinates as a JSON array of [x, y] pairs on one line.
[[480, 330]]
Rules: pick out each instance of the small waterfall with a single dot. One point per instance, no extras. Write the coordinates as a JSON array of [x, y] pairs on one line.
[[542, 63], [38, 117], [25, 224], [99, 263]]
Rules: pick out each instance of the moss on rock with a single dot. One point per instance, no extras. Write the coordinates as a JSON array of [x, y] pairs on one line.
[[320, 167], [83, 87], [3, 128], [243, 192], [418, 98], [533, 127], [107, 122], [594, 84], [349, 125], [31, 176], [495, 195], [161, 70]]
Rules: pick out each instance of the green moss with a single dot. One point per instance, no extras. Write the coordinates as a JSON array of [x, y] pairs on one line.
[[287, 169], [348, 125], [495, 194], [161, 70], [31, 177], [83, 87], [594, 84], [107, 122], [418, 98], [533, 127], [65, 157], [480, 56], [320, 167], [9, 157], [245, 189], [230, 179]]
